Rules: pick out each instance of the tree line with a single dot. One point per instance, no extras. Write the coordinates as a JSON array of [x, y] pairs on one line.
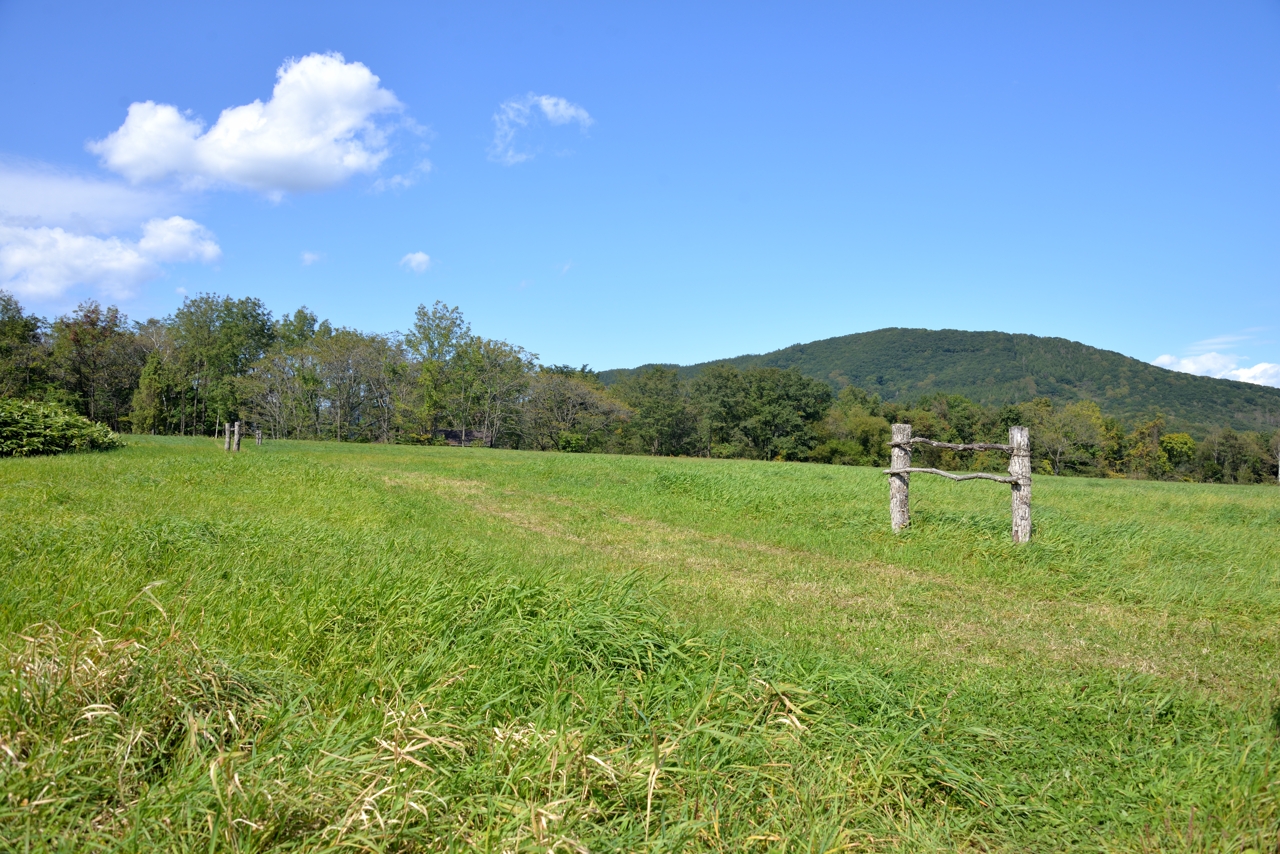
[[218, 359]]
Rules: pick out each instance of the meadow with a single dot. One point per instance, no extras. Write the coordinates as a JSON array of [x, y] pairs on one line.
[[324, 646]]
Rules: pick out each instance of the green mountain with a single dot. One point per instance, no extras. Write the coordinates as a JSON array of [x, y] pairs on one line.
[[996, 368]]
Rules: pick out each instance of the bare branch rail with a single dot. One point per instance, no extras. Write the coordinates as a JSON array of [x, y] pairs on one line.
[[975, 476], [975, 446]]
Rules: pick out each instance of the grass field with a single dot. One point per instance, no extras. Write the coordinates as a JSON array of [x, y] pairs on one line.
[[324, 646]]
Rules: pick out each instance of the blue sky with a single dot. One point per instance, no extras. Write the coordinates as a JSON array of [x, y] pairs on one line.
[[625, 183]]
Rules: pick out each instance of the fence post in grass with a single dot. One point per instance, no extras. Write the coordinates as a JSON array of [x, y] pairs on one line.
[[237, 437], [900, 458], [226, 429], [257, 435], [1020, 468]]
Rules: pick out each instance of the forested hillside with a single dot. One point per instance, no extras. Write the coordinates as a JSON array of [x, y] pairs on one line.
[[997, 368]]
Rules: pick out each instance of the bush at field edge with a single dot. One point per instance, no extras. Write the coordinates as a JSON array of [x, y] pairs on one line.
[[28, 428]]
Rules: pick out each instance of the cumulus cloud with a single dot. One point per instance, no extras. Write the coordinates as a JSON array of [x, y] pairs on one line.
[[517, 113], [177, 239], [309, 258], [418, 262], [1222, 366], [45, 262], [1205, 364], [1263, 373], [319, 128], [36, 194]]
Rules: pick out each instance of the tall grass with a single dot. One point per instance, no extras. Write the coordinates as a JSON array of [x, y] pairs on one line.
[[316, 647]]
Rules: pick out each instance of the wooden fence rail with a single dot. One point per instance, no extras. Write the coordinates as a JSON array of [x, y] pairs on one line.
[[1019, 479]]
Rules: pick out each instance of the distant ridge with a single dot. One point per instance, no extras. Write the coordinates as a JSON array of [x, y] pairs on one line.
[[996, 368]]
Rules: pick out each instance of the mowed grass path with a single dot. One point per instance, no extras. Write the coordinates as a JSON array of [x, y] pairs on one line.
[[321, 645]]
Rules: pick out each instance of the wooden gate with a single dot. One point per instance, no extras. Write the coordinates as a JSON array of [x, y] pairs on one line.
[[900, 471]]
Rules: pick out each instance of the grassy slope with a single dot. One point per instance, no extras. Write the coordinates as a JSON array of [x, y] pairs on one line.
[[426, 647], [999, 368]]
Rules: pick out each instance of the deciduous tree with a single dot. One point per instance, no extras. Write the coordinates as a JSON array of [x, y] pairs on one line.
[[97, 360]]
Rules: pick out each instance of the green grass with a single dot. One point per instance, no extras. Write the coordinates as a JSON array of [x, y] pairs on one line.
[[323, 646]]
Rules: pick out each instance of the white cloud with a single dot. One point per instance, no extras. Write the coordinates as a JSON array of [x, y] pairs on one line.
[[418, 262], [176, 240], [560, 112], [1263, 373], [45, 262], [516, 113], [309, 258], [404, 181], [1222, 366], [36, 194], [1205, 364], [317, 130], [1218, 342]]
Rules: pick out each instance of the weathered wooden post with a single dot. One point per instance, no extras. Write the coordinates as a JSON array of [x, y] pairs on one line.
[[1020, 469], [237, 437], [900, 458], [257, 435], [226, 445]]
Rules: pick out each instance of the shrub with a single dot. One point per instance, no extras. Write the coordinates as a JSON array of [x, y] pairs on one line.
[[30, 427]]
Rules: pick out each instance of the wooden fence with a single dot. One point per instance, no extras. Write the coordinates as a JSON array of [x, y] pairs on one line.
[[233, 436], [900, 471]]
